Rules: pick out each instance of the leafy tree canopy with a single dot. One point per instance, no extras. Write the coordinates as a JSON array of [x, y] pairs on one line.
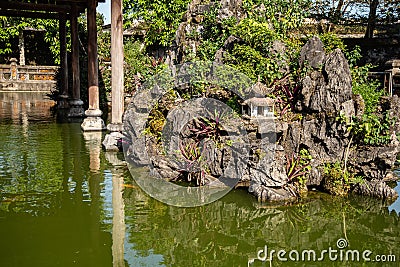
[[11, 27], [161, 16]]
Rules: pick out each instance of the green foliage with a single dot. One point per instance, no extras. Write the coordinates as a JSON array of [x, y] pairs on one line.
[[104, 56], [282, 15], [255, 57], [11, 28], [155, 123], [331, 41], [233, 103], [254, 64], [256, 34], [298, 167], [361, 83], [162, 18], [138, 65], [214, 33], [336, 179], [372, 129], [368, 90], [253, 53], [191, 151]]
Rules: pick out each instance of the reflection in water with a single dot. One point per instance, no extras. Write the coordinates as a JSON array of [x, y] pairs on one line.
[[65, 202], [93, 144], [49, 212], [231, 231], [25, 106], [118, 222]]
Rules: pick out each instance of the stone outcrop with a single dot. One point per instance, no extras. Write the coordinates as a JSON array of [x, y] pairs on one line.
[[325, 95], [327, 87]]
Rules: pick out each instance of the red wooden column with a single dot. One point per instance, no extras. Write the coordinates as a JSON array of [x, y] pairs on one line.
[[76, 104], [117, 64], [63, 62], [93, 121]]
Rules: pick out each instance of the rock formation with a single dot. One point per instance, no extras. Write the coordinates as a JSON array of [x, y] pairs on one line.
[[325, 95]]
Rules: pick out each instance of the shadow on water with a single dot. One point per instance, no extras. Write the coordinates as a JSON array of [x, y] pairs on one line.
[[65, 202]]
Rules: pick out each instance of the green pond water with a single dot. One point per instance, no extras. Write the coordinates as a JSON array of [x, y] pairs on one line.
[[65, 202]]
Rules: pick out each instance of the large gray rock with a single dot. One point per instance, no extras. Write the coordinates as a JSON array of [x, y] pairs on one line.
[[374, 162], [110, 142], [265, 193], [375, 188], [230, 8], [326, 89], [313, 53]]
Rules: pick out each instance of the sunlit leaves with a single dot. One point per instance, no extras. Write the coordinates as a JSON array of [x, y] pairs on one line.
[[11, 27], [161, 16]]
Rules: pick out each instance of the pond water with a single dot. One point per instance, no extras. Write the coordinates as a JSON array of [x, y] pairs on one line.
[[65, 202]]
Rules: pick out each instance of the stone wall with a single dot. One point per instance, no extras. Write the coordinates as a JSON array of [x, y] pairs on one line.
[[27, 86], [26, 78]]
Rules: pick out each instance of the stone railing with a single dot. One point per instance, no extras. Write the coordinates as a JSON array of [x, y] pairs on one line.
[[15, 77]]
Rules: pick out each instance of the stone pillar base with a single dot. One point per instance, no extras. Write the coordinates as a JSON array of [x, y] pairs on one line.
[[115, 127], [76, 109], [93, 121], [62, 102]]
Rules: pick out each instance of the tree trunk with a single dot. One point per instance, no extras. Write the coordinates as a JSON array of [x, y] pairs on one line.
[[369, 33], [337, 15]]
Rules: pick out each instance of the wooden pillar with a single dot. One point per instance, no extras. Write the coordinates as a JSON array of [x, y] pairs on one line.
[[76, 83], [93, 122], [93, 79], [117, 64], [76, 104], [110, 142], [63, 57]]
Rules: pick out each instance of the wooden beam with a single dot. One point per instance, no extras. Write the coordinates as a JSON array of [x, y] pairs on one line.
[[28, 14], [84, 2], [35, 7]]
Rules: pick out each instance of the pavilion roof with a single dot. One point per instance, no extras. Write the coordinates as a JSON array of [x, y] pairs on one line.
[[260, 101]]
